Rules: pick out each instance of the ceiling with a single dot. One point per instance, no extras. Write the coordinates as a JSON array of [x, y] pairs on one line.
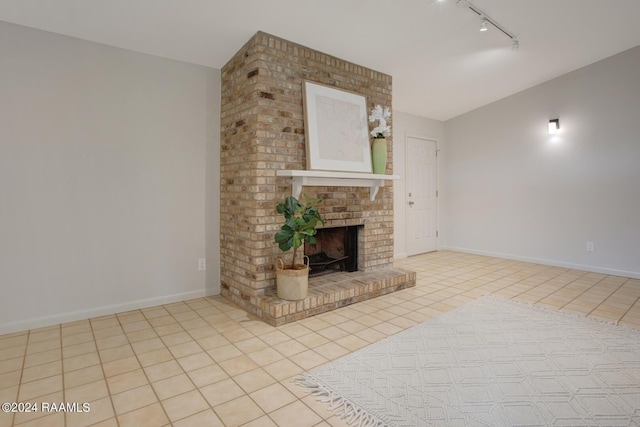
[[442, 66]]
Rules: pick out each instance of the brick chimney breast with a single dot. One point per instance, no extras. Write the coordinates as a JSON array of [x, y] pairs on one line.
[[262, 131]]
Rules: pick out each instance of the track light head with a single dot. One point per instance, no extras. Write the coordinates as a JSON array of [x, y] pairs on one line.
[[484, 25]]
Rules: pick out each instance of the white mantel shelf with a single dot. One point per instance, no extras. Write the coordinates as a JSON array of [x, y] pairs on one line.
[[300, 178]]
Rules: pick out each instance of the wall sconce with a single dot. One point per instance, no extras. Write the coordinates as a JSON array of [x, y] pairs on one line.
[[554, 126]]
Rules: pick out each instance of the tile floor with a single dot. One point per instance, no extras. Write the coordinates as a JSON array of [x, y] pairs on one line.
[[206, 362]]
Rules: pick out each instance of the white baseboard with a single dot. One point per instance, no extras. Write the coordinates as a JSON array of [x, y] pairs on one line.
[[554, 263], [40, 322], [400, 256]]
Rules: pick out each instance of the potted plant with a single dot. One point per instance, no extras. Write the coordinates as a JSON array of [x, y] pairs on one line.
[[301, 222]]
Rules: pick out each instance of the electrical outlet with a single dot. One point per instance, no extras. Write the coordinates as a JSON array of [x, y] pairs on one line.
[[590, 247], [202, 264]]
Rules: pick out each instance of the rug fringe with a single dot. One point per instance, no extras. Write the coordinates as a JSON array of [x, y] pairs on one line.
[[347, 410]]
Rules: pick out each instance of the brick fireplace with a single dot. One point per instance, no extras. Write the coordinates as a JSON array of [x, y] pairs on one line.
[[262, 122]]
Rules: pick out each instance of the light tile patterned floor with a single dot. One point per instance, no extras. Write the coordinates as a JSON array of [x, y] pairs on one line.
[[206, 362]]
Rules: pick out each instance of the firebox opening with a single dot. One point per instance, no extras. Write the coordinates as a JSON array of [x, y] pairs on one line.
[[336, 249]]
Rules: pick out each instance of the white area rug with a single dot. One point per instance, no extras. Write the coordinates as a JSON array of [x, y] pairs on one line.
[[491, 362]]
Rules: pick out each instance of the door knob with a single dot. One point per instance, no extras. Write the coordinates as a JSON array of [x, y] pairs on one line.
[[410, 203]]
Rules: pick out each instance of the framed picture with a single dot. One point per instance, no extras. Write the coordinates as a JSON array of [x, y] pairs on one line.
[[336, 130]]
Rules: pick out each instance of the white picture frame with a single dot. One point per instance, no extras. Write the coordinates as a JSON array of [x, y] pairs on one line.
[[336, 130]]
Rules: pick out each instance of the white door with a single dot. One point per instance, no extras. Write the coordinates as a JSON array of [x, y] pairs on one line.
[[421, 196]]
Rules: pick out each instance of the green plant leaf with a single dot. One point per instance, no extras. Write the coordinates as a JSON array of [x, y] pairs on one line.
[[291, 204], [284, 246], [283, 236]]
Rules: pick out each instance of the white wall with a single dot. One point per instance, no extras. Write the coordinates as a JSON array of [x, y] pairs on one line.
[[103, 157], [403, 125], [513, 191]]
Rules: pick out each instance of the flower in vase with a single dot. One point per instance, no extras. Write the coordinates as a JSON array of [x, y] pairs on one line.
[[381, 115]]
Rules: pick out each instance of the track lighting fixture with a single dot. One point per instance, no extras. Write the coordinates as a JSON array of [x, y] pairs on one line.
[[554, 126], [486, 20]]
